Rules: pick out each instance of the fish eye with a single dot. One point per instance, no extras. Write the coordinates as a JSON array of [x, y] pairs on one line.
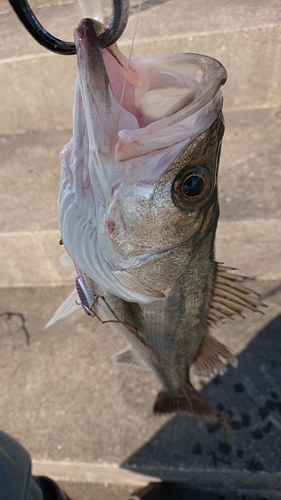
[[192, 185]]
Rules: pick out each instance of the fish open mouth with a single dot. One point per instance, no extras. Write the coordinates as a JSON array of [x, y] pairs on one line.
[[158, 95], [130, 123]]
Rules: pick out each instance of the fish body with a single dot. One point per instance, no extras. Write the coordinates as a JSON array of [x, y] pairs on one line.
[[138, 210]]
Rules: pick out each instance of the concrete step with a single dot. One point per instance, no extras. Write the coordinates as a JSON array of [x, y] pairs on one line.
[[249, 186], [100, 491], [81, 417], [159, 491], [37, 86]]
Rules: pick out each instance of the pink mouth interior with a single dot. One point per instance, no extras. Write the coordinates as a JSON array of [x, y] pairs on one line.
[[117, 76]]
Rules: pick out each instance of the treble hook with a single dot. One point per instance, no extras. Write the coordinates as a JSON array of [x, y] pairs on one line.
[[116, 27]]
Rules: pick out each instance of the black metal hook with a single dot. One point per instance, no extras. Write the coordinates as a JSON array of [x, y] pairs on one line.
[[116, 27]]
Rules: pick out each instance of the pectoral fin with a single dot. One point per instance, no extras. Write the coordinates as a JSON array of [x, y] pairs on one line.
[[70, 305]]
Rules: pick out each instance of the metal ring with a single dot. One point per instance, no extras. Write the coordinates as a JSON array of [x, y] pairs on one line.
[[116, 27]]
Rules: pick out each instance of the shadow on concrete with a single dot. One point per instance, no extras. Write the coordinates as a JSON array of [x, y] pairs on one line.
[[244, 455], [166, 491]]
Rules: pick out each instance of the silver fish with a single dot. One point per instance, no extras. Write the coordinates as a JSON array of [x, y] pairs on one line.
[[138, 211]]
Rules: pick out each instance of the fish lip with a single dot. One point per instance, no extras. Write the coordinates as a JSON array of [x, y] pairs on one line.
[[81, 30], [85, 28], [90, 57]]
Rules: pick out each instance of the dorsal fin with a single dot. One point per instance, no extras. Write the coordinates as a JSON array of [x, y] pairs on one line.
[[230, 296]]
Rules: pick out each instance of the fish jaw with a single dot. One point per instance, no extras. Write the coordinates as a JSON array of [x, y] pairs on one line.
[[101, 112], [89, 171], [106, 186]]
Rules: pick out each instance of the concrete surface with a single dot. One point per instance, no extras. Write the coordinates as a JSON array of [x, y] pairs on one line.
[[157, 491], [246, 457], [80, 416], [5, 6], [66, 402], [90, 491], [37, 86]]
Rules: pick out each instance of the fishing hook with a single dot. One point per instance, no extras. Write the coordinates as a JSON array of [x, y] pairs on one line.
[[115, 29]]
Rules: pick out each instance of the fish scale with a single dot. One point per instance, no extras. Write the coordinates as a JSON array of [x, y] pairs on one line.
[[171, 328]]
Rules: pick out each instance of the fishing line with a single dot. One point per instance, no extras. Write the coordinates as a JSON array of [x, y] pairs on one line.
[[131, 51], [91, 9], [139, 337]]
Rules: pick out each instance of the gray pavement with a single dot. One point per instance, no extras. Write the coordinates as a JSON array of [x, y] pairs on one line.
[[36, 87], [87, 423], [80, 416]]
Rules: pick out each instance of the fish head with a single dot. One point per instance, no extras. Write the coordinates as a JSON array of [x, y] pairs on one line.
[[139, 178], [151, 217]]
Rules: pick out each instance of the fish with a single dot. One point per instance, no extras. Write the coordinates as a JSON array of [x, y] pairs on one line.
[[138, 212]]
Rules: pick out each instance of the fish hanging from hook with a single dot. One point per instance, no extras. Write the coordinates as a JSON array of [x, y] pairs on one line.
[[138, 205], [138, 212]]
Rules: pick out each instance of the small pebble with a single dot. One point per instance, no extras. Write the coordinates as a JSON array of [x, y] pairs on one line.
[[235, 424], [245, 419], [254, 465], [225, 448], [217, 380], [263, 412], [267, 428], [213, 427], [240, 453], [257, 434], [270, 405], [239, 387], [220, 407], [197, 449]]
